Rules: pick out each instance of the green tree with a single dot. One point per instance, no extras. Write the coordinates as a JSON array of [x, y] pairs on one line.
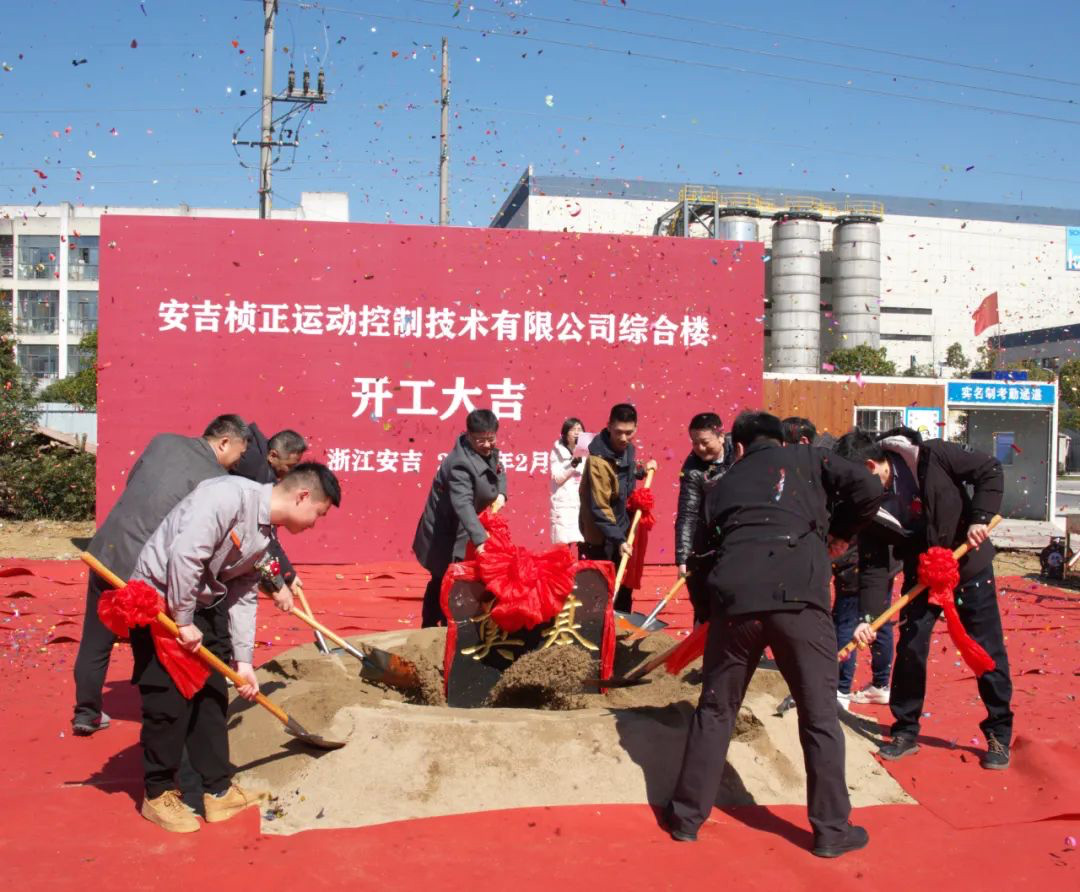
[[79, 389], [920, 371], [955, 358], [1035, 371], [987, 359], [864, 359], [1069, 383]]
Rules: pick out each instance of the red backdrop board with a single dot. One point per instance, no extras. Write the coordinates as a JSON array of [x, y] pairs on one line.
[[374, 341]]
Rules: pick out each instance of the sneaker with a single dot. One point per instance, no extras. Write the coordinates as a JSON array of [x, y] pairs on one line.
[[854, 838], [221, 807], [169, 812], [901, 745], [844, 701], [86, 727], [872, 694], [997, 754]]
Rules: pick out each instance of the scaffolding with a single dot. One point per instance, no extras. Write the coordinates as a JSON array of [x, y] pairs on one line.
[[705, 206]]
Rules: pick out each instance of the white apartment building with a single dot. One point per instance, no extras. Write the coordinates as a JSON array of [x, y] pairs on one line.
[[49, 268]]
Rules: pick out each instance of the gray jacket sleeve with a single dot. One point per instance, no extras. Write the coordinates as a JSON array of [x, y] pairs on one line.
[[245, 590], [462, 500], [207, 524]]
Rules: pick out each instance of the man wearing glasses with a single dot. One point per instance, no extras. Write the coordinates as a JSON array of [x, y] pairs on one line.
[[470, 479]]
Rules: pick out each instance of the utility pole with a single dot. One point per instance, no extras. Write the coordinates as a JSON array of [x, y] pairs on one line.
[[302, 99], [266, 135], [444, 141]]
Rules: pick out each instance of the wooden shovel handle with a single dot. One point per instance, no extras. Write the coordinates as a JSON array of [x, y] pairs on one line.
[[305, 616], [166, 621], [625, 561], [909, 595]]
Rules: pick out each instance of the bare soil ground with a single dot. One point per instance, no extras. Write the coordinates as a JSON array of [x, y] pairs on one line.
[[44, 539]]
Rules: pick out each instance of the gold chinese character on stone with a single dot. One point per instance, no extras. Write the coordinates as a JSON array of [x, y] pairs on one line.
[[491, 638], [564, 630]]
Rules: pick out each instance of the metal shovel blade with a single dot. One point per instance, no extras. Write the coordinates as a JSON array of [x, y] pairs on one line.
[[300, 733], [389, 669]]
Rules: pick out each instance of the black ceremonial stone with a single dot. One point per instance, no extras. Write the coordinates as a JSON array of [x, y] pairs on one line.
[[482, 651]]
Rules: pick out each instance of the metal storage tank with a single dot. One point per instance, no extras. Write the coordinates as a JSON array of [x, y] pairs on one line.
[[795, 317], [856, 274], [736, 227]]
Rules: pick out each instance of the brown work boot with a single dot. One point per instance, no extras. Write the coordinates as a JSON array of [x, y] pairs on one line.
[[229, 804], [169, 812]]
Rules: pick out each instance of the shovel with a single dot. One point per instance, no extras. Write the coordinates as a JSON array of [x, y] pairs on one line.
[[650, 623], [320, 642], [292, 726], [375, 665]]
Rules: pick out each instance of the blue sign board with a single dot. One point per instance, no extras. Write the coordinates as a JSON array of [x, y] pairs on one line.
[[1072, 247], [1000, 393]]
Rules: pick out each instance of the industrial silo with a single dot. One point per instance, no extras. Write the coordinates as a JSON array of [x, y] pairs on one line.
[[856, 281], [795, 314], [736, 225]]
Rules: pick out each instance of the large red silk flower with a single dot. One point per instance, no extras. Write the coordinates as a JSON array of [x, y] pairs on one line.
[[940, 573], [138, 604]]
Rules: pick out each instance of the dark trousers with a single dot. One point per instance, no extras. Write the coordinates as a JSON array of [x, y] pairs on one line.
[[608, 551], [845, 614], [431, 613], [697, 587], [92, 660], [803, 643], [171, 722], [976, 603]]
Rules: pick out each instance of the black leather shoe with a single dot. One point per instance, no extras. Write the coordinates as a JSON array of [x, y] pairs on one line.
[[901, 745], [997, 754], [854, 838], [672, 827]]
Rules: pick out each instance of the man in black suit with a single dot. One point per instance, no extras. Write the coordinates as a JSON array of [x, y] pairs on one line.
[[770, 588], [267, 461], [470, 479], [169, 468], [927, 492]]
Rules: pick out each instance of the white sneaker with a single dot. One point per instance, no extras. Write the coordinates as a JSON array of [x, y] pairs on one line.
[[871, 694], [844, 701]]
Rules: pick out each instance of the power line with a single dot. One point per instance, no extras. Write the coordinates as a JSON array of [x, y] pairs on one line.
[[713, 66], [837, 43], [752, 52]]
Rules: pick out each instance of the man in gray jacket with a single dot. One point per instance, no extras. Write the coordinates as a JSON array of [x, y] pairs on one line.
[[209, 560], [470, 479], [169, 468]]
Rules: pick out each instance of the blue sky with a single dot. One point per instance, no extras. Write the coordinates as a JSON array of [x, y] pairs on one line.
[[573, 87]]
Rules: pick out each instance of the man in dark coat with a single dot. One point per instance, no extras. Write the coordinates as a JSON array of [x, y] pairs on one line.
[[770, 588], [470, 479], [705, 464], [611, 472], [169, 468], [267, 461], [926, 485]]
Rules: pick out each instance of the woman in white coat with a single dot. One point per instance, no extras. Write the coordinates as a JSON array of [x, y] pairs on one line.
[[565, 484]]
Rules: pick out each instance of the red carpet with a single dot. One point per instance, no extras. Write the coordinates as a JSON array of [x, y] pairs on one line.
[[69, 804]]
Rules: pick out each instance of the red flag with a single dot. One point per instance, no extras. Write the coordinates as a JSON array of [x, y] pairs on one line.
[[987, 314]]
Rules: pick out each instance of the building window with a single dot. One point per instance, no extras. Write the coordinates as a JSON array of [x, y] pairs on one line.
[[78, 359], [877, 420], [83, 258], [7, 262], [1003, 446], [38, 256], [39, 360], [39, 312], [82, 312]]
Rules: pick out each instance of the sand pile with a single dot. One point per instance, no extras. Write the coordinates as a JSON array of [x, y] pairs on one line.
[[405, 760]]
